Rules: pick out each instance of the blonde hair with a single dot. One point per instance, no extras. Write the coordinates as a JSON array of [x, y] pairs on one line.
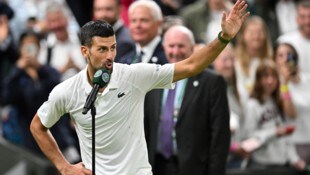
[[241, 53]]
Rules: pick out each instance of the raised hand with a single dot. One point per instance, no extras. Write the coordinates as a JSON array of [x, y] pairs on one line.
[[232, 22]]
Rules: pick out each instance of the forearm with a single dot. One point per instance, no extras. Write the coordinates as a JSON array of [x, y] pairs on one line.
[[48, 144], [199, 60]]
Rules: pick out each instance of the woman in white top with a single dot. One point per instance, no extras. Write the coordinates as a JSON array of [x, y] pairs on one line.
[[296, 89], [253, 45]]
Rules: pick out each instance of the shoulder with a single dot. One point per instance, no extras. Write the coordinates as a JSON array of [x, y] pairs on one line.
[[210, 76], [288, 37], [69, 86]]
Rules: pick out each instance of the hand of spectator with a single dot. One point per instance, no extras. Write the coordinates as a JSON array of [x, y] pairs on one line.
[[300, 165], [232, 23], [285, 130], [70, 64], [77, 169], [4, 28], [284, 72]]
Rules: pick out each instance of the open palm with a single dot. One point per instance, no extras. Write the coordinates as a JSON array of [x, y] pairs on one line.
[[232, 22]]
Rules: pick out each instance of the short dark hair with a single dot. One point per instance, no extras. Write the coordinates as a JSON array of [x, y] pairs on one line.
[[95, 28]]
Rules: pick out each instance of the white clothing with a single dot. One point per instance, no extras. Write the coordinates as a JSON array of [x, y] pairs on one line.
[[245, 83], [120, 142], [300, 95], [261, 121], [286, 15], [62, 52], [213, 26], [302, 46]]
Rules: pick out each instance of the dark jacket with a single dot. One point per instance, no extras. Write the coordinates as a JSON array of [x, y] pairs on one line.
[[202, 129]]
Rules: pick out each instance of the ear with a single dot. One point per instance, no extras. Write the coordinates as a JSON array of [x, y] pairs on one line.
[[84, 51]]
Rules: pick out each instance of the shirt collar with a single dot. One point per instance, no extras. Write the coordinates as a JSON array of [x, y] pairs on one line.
[[148, 50], [112, 85]]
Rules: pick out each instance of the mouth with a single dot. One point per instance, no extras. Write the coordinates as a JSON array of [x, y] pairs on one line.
[[109, 66]]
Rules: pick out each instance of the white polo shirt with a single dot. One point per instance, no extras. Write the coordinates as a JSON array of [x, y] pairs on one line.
[[120, 142]]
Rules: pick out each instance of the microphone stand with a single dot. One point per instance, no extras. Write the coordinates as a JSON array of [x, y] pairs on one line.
[[93, 115]]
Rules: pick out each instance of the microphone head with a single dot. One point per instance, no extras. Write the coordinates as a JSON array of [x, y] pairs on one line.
[[101, 77]]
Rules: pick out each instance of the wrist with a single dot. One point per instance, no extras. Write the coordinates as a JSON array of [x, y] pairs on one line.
[[223, 38]]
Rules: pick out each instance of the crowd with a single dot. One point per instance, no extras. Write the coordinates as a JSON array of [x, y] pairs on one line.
[[249, 110]]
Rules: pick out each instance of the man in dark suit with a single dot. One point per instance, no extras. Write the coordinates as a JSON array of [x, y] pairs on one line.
[[109, 11], [145, 27], [199, 136]]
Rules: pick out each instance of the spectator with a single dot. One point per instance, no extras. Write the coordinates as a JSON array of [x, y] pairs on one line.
[[145, 28], [61, 48], [224, 65], [8, 49], [295, 89], [26, 87], [199, 137], [204, 18], [253, 45], [265, 123], [300, 38], [109, 10]]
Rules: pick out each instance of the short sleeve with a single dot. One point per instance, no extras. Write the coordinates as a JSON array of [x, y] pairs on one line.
[[51, 110], [152, 76]]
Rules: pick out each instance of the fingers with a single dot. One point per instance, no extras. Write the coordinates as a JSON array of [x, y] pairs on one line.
[[224, 16], [87, 172]]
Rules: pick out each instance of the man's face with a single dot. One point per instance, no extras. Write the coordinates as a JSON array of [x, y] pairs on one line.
[[57, 23], [303, 20], [101, 54], [107, 10], [143, 27], [224, 63], [177, 46]]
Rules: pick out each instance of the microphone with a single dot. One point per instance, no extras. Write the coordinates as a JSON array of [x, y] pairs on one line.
[[101, 79]]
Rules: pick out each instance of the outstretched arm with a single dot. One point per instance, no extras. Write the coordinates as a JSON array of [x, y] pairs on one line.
[[199, 60], [50, 148]]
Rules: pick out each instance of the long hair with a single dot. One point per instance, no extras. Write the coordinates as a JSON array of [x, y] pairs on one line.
[[258, 89], [241, 52]]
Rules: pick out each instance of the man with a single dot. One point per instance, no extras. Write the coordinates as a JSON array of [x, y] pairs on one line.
[[120, 146], [300, 38], [109, 11], [61, 49], [145, 27], [200, 118]]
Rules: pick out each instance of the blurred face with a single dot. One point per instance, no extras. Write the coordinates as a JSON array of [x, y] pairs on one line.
[[281, 54], [177, 46], [107, 10], [224, 63], [29, 47], [254, 36], [57, 23], [101, 54], [143, 27], [269, 82], [303, 20]]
